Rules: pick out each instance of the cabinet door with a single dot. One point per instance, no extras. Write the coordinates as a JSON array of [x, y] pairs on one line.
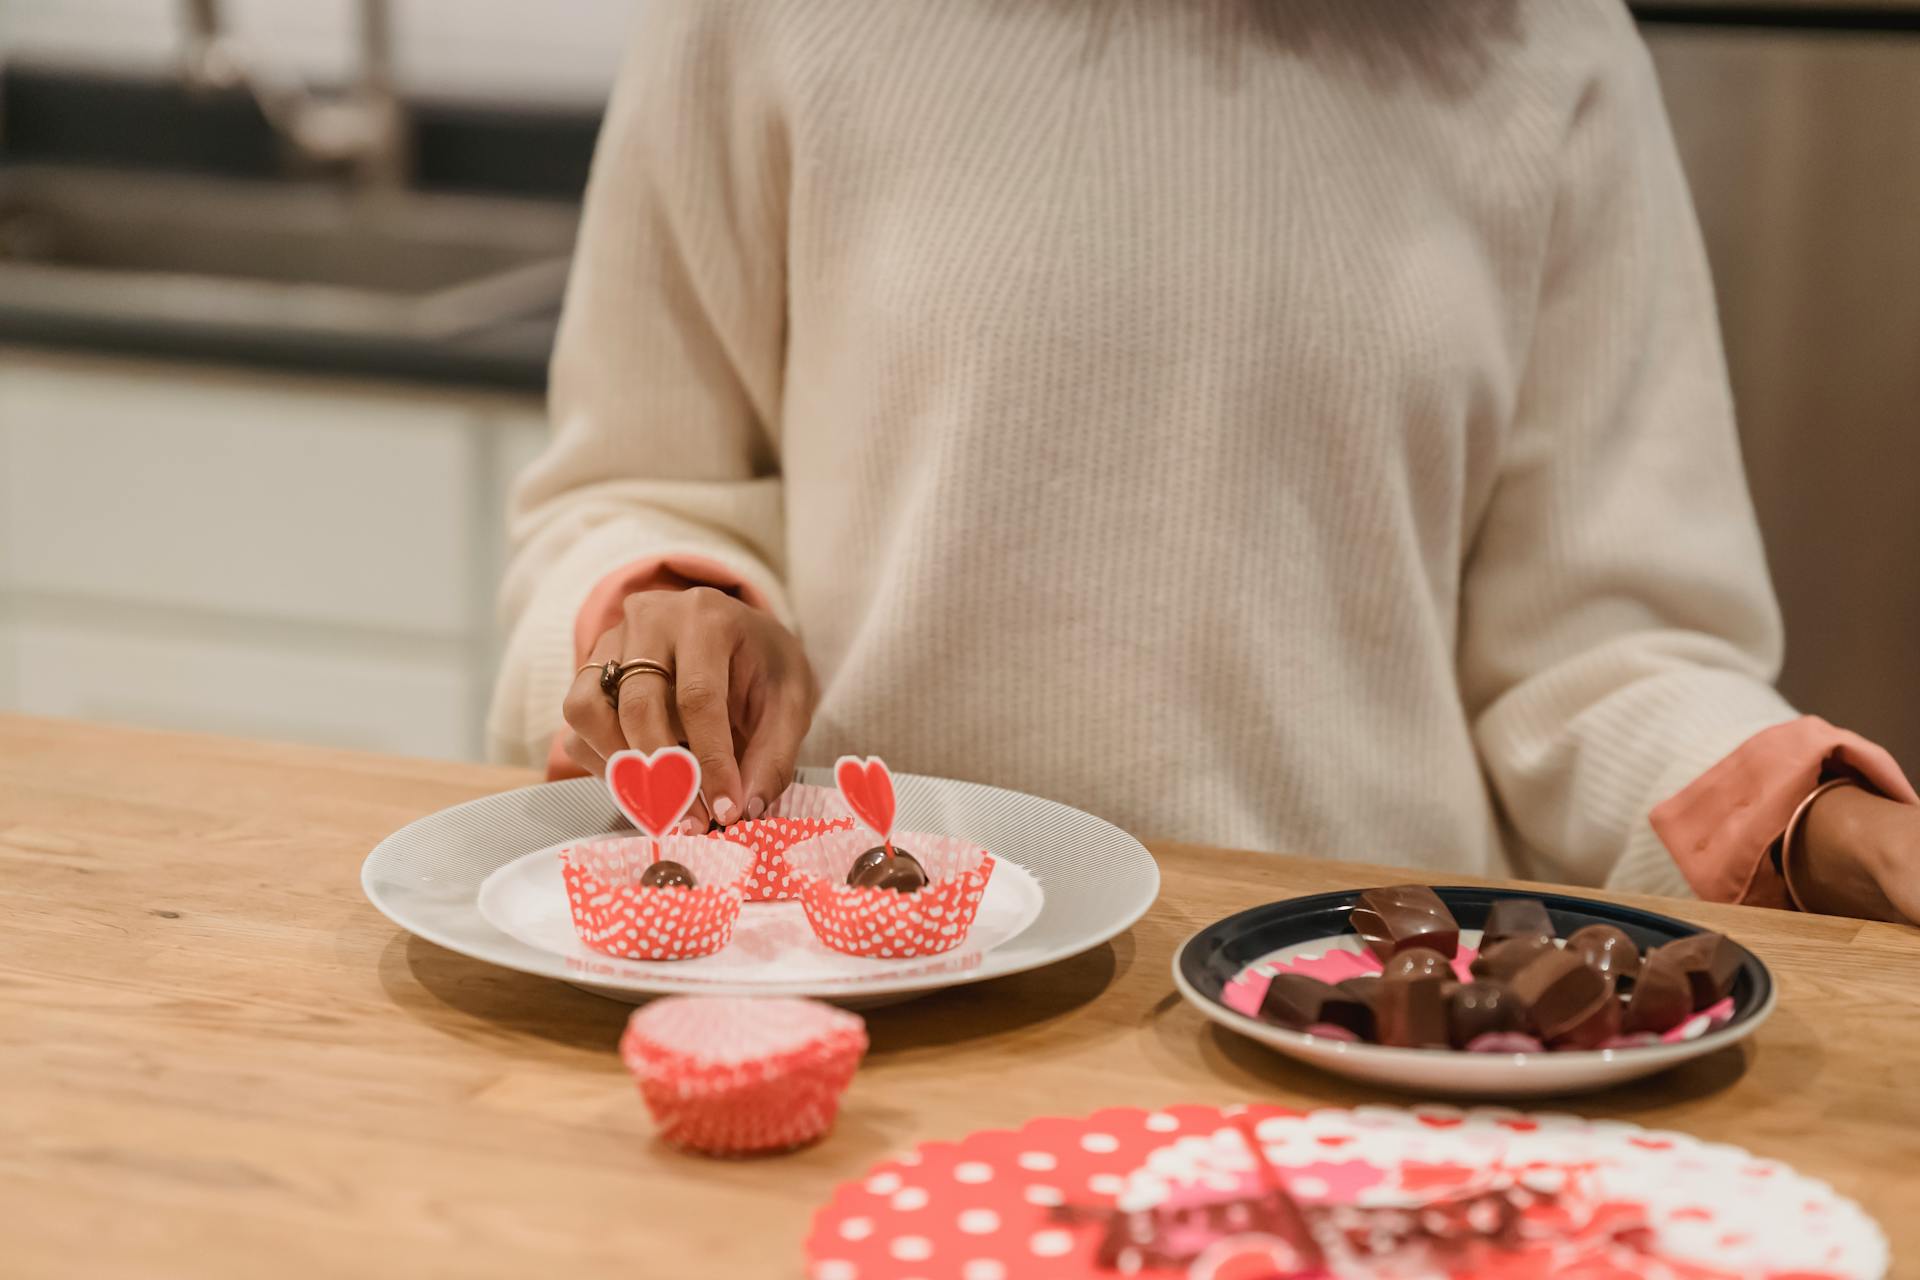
[[398, 700], [239, 495]]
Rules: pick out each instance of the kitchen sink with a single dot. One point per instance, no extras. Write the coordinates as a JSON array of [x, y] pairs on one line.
[[274, 262]]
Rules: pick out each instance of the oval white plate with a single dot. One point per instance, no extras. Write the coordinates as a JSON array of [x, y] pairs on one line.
[[1311, 926], [1066, 882]]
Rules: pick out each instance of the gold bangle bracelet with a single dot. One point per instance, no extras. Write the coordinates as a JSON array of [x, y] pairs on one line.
[[1791, 835]]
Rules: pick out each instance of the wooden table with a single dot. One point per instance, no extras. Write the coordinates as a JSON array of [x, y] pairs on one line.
[[216, 1059]]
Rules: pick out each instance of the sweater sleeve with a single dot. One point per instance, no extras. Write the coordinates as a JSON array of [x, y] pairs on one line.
[[1618, 633], [666, 373]]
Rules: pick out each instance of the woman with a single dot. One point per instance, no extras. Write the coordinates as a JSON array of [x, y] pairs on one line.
[[1295, 424]]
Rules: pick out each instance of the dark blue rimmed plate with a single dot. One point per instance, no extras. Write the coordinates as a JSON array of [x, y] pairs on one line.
[[1212, 958]]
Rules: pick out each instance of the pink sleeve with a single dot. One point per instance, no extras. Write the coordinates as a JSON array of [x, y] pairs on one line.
[[602, 610], [1721, 827]]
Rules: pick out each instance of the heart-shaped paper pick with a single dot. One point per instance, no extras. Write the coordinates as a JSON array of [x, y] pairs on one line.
[[868, 788], [654, 791]]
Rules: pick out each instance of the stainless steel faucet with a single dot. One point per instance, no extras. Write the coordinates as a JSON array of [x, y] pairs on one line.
[[360, 131]]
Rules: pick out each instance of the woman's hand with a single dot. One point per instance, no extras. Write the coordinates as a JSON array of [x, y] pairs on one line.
[[741, 697], [1859, 855]]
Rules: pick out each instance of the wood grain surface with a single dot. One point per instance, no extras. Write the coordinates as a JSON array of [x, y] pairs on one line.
[[216, 1059]]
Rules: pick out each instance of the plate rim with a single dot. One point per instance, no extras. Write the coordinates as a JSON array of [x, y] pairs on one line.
[[546, 965], [1477, 1069]]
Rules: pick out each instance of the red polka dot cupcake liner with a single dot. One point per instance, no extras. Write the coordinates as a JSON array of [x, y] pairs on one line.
[[800, 813], [737, 1076], [882, 923], [616, 916]]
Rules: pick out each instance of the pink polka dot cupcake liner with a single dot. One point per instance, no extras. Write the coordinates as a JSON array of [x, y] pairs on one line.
[[800, 813], [881, 923], [617, 916], [737, 1076]]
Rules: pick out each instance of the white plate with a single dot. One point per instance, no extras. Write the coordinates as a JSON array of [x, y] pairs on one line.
[[1313, 925], [481, 879]]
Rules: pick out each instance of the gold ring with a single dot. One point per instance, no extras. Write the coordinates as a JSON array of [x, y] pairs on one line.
[[615, 673]]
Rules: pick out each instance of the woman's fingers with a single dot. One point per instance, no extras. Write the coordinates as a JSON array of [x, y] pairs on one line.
[[702, 659], [766, 767], [586, 709], [577, 750]]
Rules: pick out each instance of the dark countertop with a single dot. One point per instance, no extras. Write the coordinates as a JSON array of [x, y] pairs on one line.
[[54, 118]]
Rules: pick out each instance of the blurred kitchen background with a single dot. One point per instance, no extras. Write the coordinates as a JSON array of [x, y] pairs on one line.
[[278, 279]]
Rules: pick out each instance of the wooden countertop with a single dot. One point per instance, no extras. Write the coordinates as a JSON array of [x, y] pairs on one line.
[[216, 1059]]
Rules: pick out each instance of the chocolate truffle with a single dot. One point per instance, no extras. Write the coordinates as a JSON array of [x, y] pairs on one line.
[[1505, 959], [1417, 962], [1607, 949], [1559, 992], [1411, 1013], [666, 874], [1511, 918], [1662, 996], [1710, 962], [1596, 1028], [1475, 1009], [876, 869], [1405, 916], [1294, 1000]]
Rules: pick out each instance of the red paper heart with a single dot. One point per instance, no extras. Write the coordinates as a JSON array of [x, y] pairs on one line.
[[868, 788], [654, 791]]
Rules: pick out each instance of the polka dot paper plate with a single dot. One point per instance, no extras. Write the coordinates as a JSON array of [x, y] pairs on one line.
[[1262, 1192], [484, 879]]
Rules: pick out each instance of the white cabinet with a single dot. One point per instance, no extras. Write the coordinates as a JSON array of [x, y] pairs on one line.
[[277, 556]]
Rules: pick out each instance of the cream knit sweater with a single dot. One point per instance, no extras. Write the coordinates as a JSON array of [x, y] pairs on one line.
[[1292, 424]]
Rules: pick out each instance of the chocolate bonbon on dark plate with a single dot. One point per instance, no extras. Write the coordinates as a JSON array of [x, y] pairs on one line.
[[1607, 949], [1402, 917], [1711, 963], [1662, 996], [882, 868], [1511, 918], [1505, 959], [1411, 1013], [666, 874], [1475, 1009], [1298, 1002], [1417, 962], [1560, 992]]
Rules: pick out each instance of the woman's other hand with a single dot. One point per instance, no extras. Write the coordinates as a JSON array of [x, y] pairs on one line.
[[741, 697], [1859, 855]]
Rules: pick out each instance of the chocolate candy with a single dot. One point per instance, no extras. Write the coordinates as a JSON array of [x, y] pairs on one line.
[[1511, 918], [1417, 962], [1601, 1025], [1475, 1009], [1662, 995], [1607, 949], [1710, 962], [1508, 958], [666, 874], [1559, 992], [1297, 1001], [1411, 1013], [877, 869], [1406, 916]]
